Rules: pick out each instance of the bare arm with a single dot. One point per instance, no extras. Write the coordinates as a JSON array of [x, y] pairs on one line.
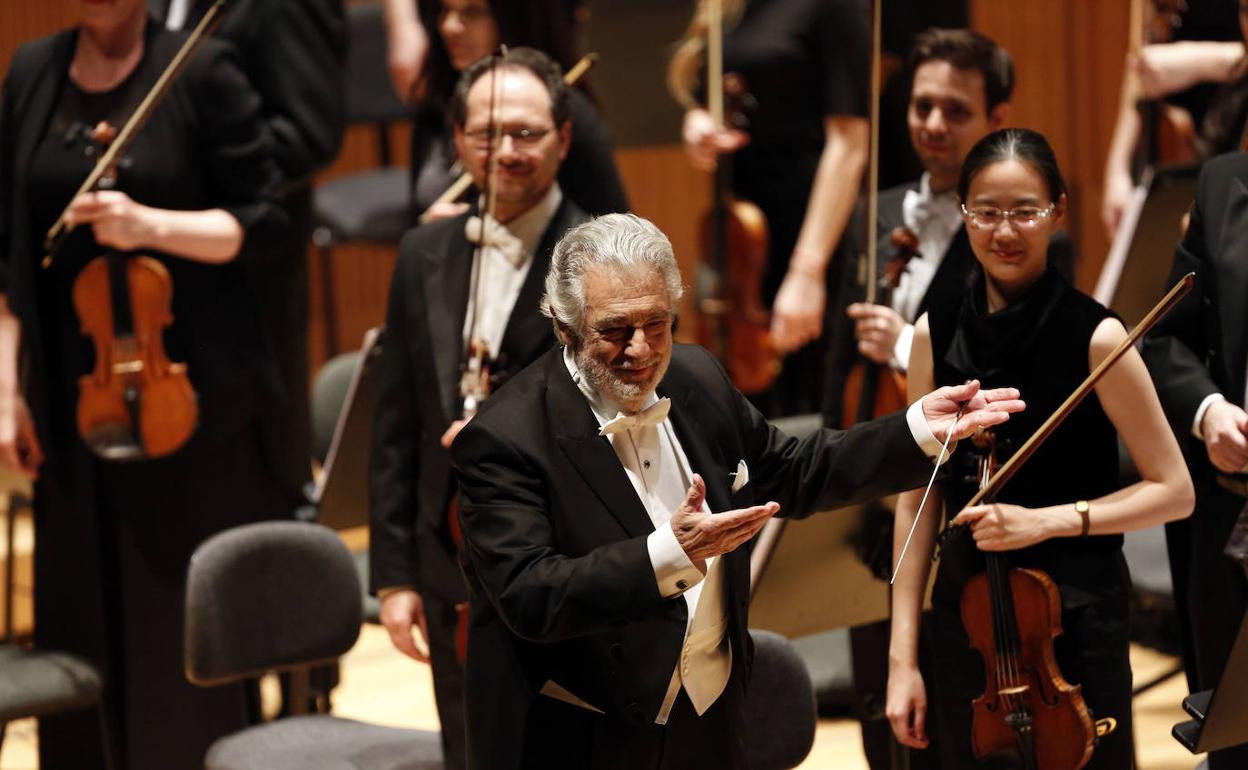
[[1163, 494], [19, 445], [213, 236], [906, 701], [407, 43], [797, 314]]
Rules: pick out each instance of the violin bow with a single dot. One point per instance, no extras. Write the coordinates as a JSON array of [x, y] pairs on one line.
[[108, 159]]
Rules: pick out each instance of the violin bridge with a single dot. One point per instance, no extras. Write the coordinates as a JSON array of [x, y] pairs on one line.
[[1018, 690], [1105, 726]]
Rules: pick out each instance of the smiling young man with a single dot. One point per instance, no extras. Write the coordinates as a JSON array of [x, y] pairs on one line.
[[961, 83], [605, 494], [432, 318]]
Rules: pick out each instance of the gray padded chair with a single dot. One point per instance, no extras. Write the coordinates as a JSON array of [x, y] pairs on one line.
[[369, 206], [283, 596], [40, 683], [779, 705]]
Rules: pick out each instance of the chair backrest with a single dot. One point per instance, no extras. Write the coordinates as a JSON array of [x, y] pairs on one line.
[[268, 596], [370, 97], [779, 705], [329, 394]]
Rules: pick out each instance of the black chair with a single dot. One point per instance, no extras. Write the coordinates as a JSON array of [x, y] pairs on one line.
[[283, 596], [370, 206], [779, 705], [40, 683]]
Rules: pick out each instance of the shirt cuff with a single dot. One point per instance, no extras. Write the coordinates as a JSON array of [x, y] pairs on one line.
[[901, 348], [1209, 401], [673, 570], [382, 593], [922, 433]]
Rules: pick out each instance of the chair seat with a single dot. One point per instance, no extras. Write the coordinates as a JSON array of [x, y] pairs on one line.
[[36, 683], [370, 206], [324, 742]]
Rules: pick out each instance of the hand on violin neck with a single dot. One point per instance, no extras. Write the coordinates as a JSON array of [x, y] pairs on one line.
[[705, 142], [877, 328], [1004, 527], [116, 220], [957, 411]]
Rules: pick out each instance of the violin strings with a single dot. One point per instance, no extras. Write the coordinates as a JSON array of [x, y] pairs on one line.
[[940, 458]]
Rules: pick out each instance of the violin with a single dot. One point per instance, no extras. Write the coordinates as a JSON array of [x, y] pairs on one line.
[[873, 390], [136, 404], [735, 325], [1011, 616]]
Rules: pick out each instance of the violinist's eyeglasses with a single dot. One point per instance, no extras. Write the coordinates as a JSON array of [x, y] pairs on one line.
[[1022, 217], [520, 137]]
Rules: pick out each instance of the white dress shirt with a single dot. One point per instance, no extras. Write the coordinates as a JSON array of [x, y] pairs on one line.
[[500, 280], [935, 219]]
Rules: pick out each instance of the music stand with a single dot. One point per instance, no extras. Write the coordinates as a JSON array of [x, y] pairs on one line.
[[1220, 715], [341, 491], [1138, 264]]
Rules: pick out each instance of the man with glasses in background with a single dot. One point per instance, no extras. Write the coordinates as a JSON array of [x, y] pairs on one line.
[[467, 283]]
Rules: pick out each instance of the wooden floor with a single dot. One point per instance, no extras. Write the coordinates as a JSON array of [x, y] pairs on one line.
[[379, 685]]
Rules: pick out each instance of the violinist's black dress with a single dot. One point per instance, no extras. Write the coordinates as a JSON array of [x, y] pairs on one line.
[[1040, 346], [113, 540]]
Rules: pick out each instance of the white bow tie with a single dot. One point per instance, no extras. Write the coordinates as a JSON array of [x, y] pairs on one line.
[[496, 235], [651, 415]]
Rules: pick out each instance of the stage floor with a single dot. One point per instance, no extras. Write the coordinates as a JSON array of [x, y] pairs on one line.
[[379, 685]]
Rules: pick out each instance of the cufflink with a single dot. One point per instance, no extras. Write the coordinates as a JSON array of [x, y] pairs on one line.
[[682, 584]]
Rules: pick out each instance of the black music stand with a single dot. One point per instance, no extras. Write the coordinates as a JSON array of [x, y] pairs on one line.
[[341, 492], [1220, 715]]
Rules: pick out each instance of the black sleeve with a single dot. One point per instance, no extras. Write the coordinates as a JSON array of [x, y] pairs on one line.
[[588, 175], [842, 57], [1177, 348], [296, 63], [541, 594], [238, 149], [830, 468], [396, 441]]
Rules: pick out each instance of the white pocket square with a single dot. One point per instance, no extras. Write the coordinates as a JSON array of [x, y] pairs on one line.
[[741, 477]]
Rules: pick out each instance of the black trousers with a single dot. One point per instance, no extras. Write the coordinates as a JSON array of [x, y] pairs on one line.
[[1092, 651], [567, 737], [1217, 595], [448, 679]]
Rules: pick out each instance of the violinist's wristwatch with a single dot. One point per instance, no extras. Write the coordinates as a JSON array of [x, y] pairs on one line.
[[1082, 508]]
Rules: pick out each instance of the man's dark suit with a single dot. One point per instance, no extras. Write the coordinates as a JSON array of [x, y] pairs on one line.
[[557, 563], [410, 475], [1201, 348], [293, 53]]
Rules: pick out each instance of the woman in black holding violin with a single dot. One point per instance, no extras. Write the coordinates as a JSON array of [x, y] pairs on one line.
[[195, 191], [1064, 511]]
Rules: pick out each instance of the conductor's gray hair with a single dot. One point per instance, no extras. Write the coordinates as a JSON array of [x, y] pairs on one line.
[[630, 247]]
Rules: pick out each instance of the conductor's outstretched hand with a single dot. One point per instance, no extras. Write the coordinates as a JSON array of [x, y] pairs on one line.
[[702, 535], [983, 409]]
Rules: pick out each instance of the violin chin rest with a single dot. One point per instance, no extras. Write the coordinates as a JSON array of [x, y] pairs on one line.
[[114, 441]]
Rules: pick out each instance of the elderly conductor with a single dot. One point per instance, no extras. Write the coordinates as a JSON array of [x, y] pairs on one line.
[[606, 493]]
